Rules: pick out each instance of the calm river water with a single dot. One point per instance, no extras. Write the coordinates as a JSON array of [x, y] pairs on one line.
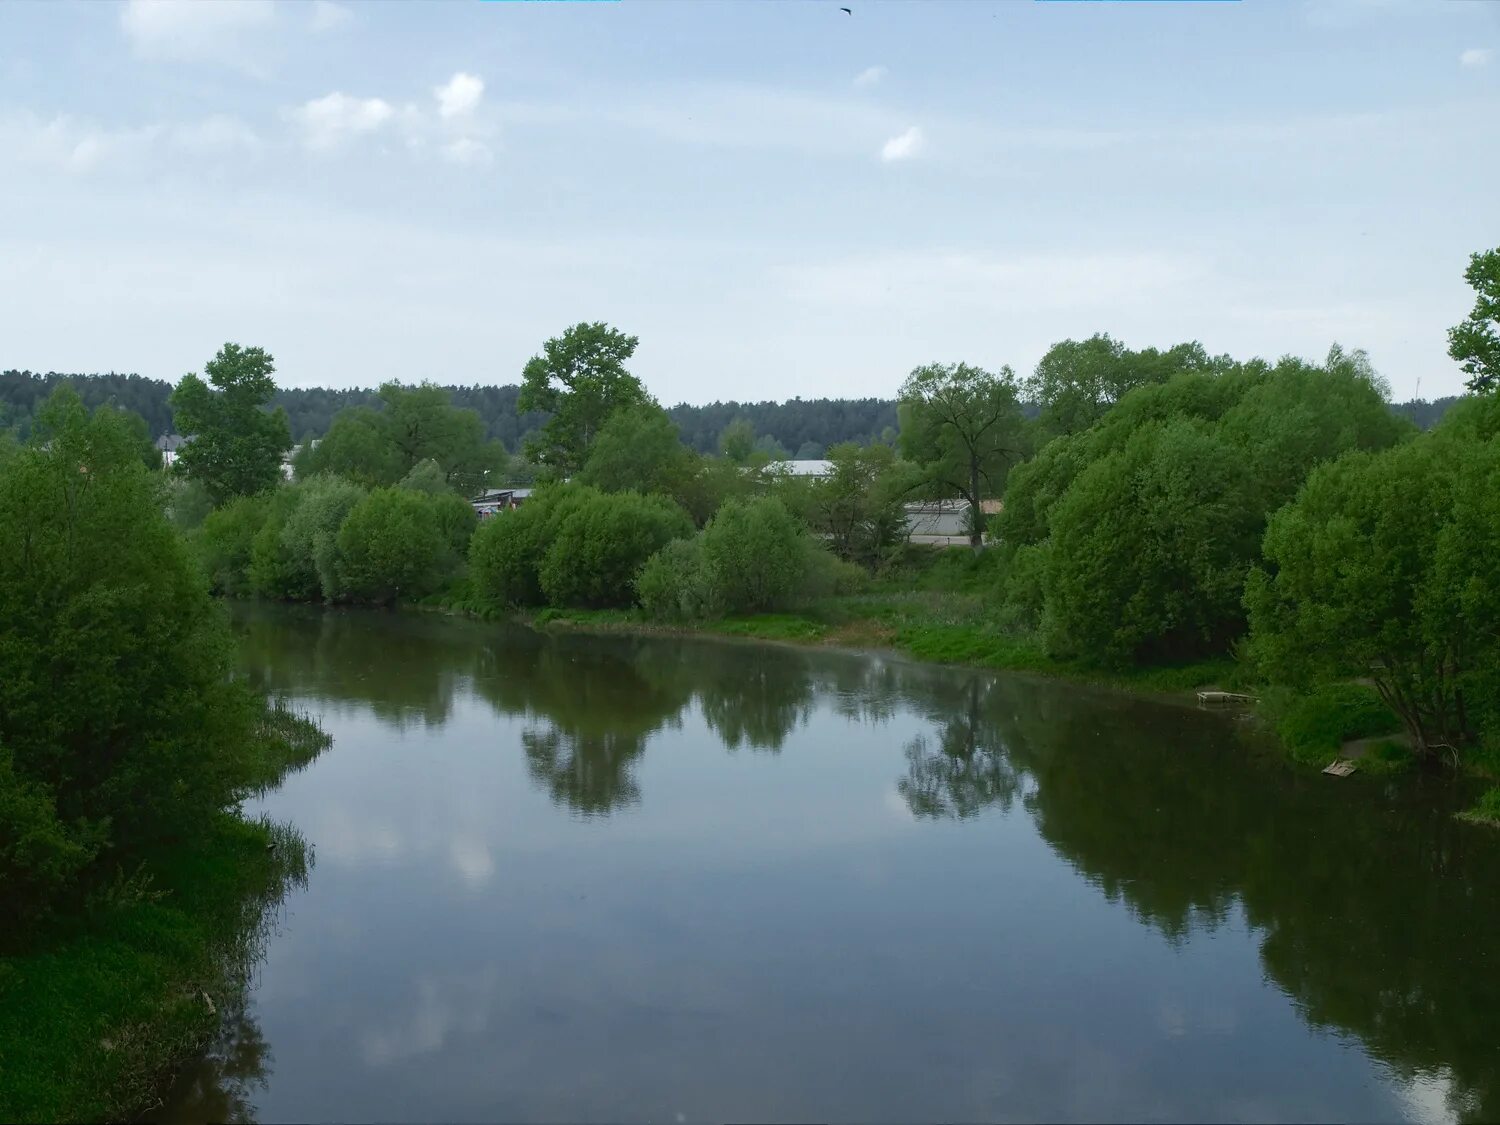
[[572, 878]]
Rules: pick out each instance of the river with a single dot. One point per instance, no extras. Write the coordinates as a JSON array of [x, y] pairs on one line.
[[575, 878]]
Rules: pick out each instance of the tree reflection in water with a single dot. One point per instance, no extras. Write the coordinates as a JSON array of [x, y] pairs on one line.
[[1375, 909], [221, 1086]]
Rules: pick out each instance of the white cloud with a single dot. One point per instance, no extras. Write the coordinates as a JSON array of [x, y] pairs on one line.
[[870, 75], [218, 133], [80, 146], [1476, 56], [194, 29], [329, 120], [466, 150], [459, 96], [328, 16], [903, 146]]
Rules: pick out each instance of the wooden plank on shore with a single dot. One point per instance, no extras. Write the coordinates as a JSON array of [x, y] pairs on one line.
[[1224, 697], [1340, 767]]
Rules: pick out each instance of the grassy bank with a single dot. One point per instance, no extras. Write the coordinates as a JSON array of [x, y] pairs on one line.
[[940, 627], [101, 1007]]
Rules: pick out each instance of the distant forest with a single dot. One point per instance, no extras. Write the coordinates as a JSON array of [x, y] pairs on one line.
[[802, 427]]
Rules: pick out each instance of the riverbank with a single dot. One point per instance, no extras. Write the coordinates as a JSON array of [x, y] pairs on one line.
[[944, 615], [99, 1010]]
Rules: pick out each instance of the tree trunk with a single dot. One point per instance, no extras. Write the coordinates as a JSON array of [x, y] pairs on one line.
[[976, 512]]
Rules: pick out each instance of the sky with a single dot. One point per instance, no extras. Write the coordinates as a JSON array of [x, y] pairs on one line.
[[780, 199]]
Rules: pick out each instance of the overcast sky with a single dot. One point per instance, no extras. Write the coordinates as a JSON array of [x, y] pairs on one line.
[[780, 199]]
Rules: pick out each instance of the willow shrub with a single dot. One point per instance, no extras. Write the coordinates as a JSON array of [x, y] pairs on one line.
[[225, 541], [119, 722], [399, 544], [601, 545], [753, 556], [505, 554]]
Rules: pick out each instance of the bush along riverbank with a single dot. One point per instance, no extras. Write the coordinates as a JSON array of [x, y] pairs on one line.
[[1160, 520], [132, 885]]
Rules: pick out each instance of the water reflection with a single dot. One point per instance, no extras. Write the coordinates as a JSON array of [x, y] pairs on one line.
[[963, 769], [1371, 909], [223, 1084]]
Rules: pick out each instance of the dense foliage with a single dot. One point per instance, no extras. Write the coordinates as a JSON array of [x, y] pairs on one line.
[[1383, 568], [412, 426], [578, 381], [1476, 342], [400, 543], [1131, 540], [237, 444], [119, 723], [572, 545], [754, 556], [965, 427]]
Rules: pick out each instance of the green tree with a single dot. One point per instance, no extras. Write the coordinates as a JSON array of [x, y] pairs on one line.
[[737, 440], [237, 444], [1297, 416], [858, 509], [579, 380], [1476, 342], [674, 584], [413, 426], [638, 450], [423, 425], [226, 541], [119, 722], [309, 537], [1149, 551], [356, 447], [392, 547], [505, 554], [755, 554], [964, 426], [602, 544], [1382, 568], [1077, 381], [274, 571]]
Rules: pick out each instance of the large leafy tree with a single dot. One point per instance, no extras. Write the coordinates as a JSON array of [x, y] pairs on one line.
[[1382, 568], [858, 509], [413, 425], [1077, 381], [1476, 342], [1149, 550], [119, 723], [638, 450], [737, 440], [422, 424], [237, 444], [580, 380], [964, 426]]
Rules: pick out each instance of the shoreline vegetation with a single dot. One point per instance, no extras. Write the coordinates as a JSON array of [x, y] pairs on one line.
[[100, 1008], [1338, 721], [132, 884], [1154, 519]]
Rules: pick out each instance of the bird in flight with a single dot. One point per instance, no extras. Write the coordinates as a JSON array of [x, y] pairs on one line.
[[847, 11]]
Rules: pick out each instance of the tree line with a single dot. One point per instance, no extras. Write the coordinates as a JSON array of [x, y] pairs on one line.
[[1159, 506], [801, 428]]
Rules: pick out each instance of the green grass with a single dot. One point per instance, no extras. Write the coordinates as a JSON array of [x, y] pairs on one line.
[[99, 1008], [93, 1020], [1487, 809], [1315, 724], [936, 625]]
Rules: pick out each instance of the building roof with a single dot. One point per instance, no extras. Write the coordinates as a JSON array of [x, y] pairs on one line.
[[806, 468]]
